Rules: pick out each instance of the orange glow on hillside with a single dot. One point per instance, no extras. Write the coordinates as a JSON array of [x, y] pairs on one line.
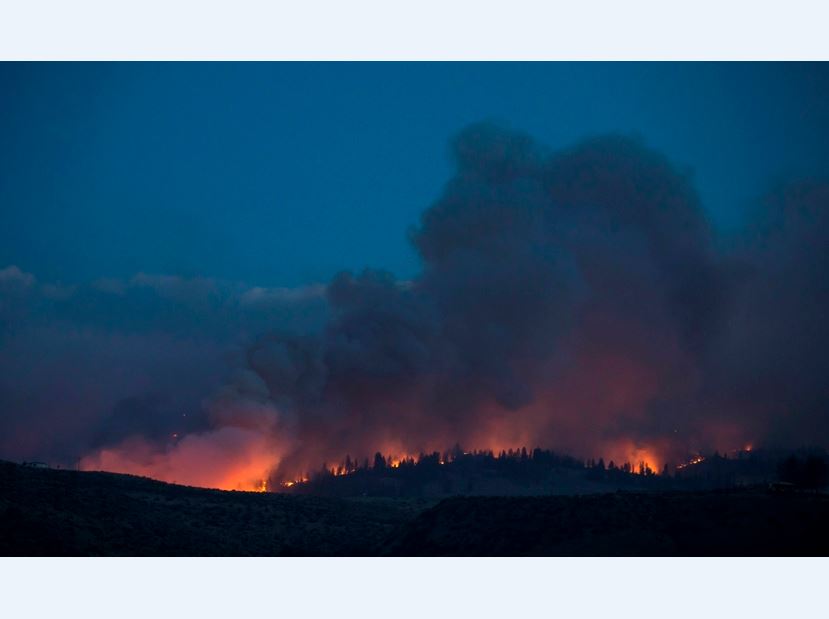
[[691, 462], [229, 459], [636, 454]]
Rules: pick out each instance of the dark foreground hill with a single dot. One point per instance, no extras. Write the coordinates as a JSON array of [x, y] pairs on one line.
[[58, 512], [713, 523]]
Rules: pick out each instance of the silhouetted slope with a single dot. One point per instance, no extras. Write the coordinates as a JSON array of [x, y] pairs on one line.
[[54, 512], [59, 512], [752, 523]]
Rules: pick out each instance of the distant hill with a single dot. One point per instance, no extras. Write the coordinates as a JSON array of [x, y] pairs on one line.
[[543, 472], [59, 512]]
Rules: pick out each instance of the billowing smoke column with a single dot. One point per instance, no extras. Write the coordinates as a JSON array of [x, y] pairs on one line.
[[574, 300]]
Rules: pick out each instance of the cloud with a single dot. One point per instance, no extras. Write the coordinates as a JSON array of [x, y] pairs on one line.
[[93, 365], [13, 276]]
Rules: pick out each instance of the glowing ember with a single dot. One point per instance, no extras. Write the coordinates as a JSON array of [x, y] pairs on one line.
[[293, 482], [691, 462]]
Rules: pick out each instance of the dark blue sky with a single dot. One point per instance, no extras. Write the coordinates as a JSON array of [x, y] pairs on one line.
[[281, 174]]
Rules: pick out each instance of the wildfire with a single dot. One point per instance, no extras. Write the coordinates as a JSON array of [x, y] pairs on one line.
[[635, 460], [645, 458], [396, 461], [691, 462], [227, 459], [240, 460], [339, 471], [293, 482]]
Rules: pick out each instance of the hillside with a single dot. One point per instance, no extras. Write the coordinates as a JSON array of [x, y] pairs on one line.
[[744, 523], [58, 512]]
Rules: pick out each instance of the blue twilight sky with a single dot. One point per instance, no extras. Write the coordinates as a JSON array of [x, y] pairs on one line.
[[281, 174]]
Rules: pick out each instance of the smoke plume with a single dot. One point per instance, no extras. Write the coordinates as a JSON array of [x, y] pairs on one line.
[[577, 300]]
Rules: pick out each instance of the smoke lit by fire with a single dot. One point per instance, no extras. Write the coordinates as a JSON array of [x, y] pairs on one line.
[[578, 301], [229, 459]]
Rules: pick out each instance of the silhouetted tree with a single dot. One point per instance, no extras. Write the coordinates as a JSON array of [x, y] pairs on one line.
[[811, 472], [816, 472]]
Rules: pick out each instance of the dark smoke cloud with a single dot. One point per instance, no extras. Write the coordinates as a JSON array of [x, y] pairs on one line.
[[578, 300], [774, 354]]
